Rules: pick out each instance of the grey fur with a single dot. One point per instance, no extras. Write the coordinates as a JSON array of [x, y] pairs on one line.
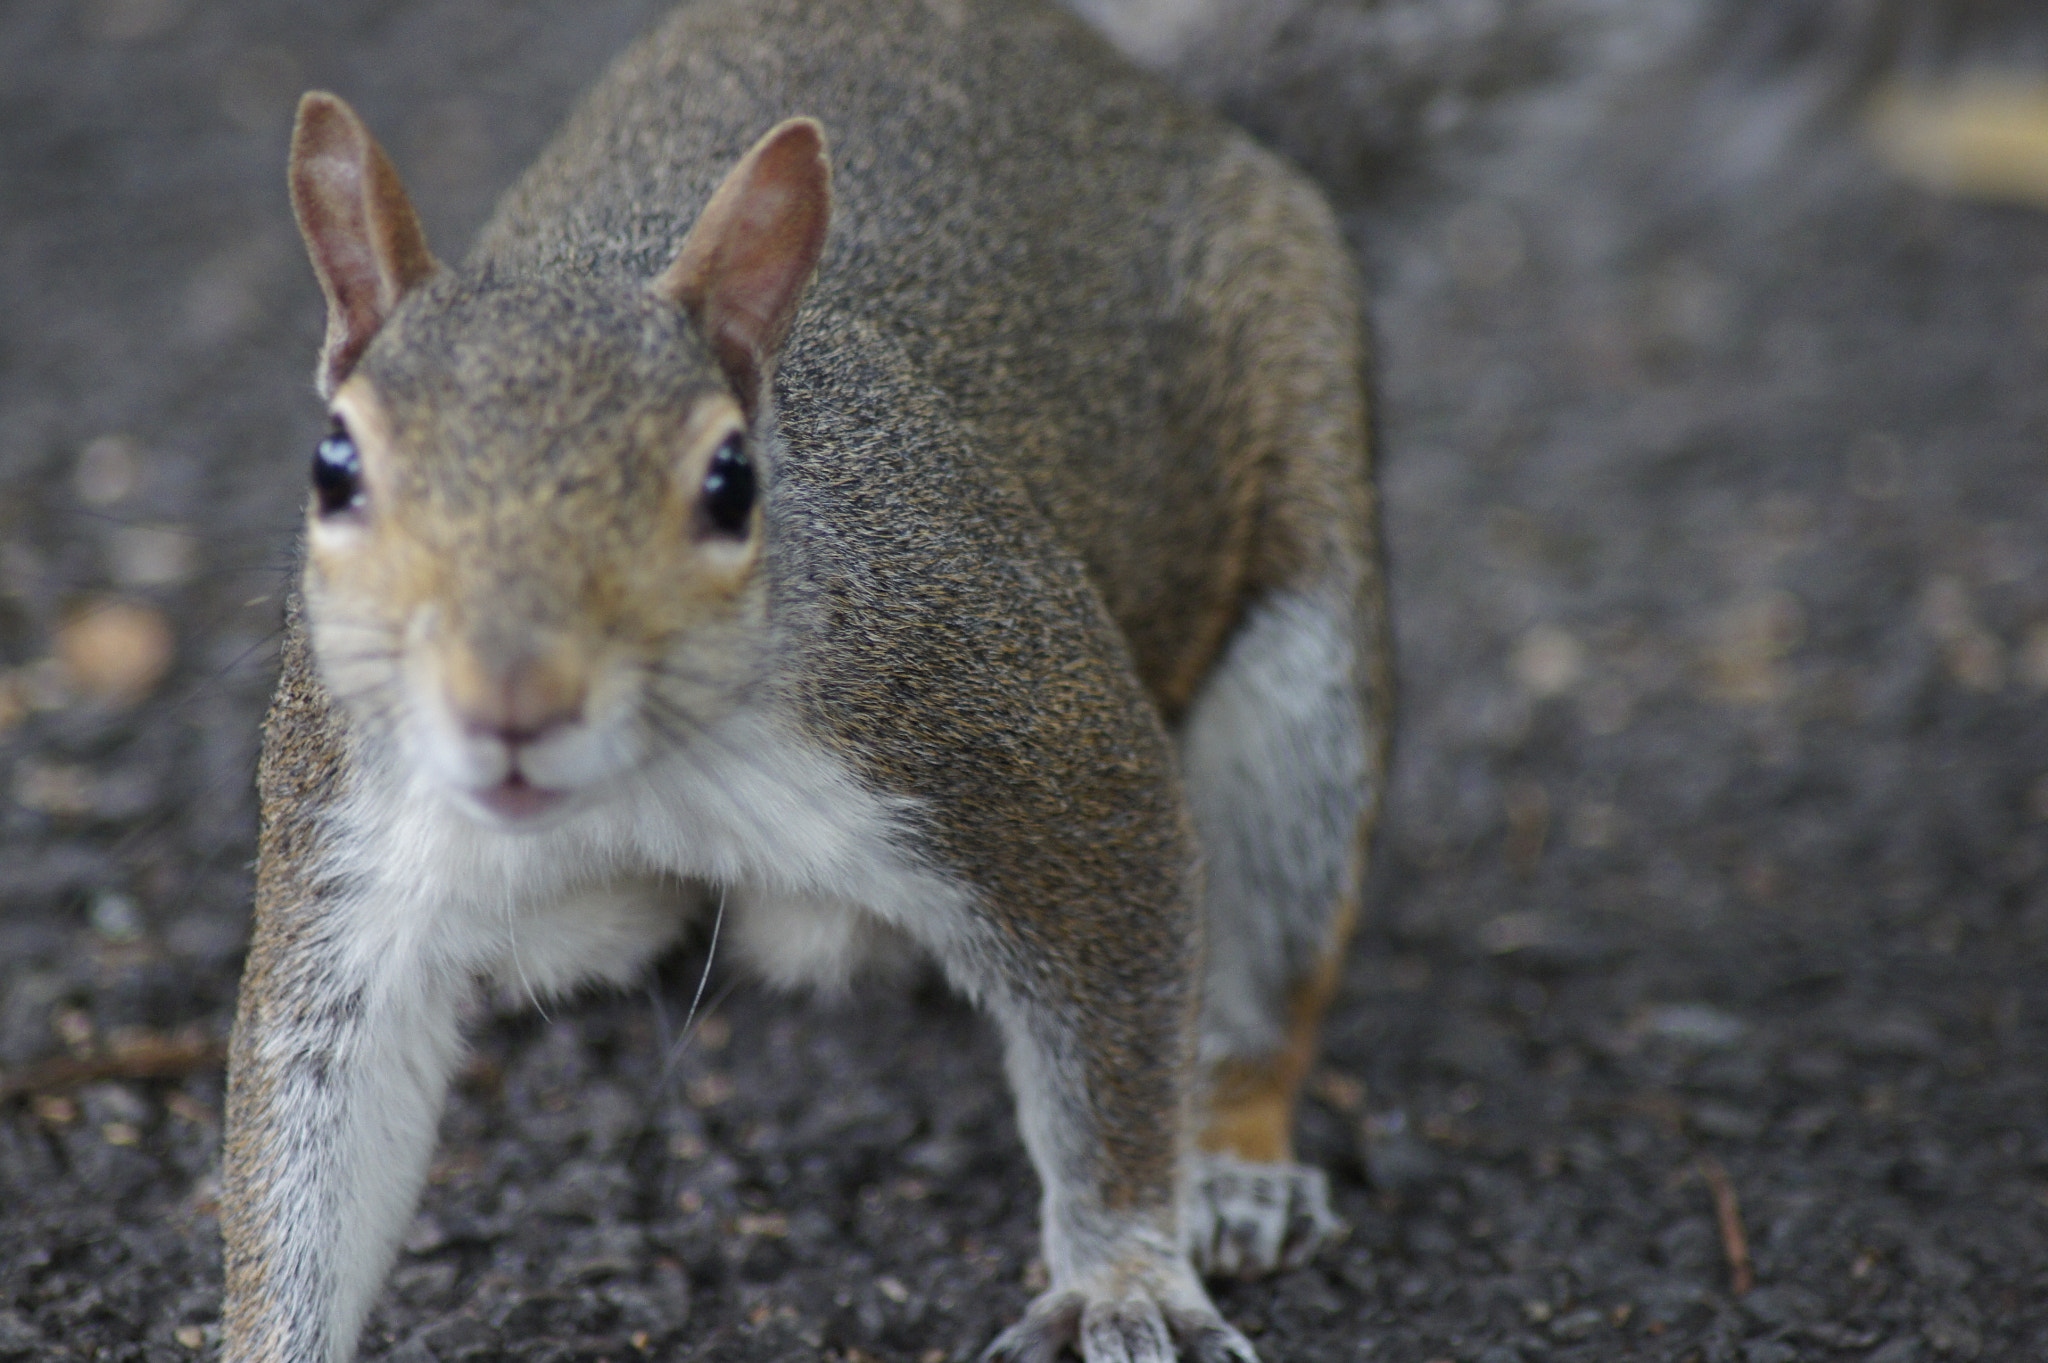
[[1282, 772]]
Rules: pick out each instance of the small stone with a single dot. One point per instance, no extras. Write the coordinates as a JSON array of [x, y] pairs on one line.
[[1579, 1324], [1548, 661], [116, 916], [1540, 939], [153, 555], [112, 1104], [25, 1008], [190, 1336], [709, 1089], [14, 701], [73, 1027], [59, 788], [1836, 1335], [1340, 1091], [1977, 661], [116, 650], [1698, 1025], [55, 1110], [19, 1337], [459, 1334], [425, 1235], [1745, 656], [414, 1350], [611, 1251], [592, 1190], [190, 1110], [1975, 657], [106, 470]]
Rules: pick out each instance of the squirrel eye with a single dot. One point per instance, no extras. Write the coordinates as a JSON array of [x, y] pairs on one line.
[[337, 471], [729, 487]]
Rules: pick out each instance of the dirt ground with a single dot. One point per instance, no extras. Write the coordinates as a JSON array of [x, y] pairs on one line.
[[1699, 1012]]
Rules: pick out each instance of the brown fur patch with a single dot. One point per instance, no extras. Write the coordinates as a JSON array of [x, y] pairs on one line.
[[1251, 1102]]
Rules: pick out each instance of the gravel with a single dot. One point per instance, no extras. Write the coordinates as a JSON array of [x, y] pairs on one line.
[[1710, 917]]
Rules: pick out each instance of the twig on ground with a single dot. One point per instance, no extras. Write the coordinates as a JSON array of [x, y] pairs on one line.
[[137, 1055], [1728, 1216]]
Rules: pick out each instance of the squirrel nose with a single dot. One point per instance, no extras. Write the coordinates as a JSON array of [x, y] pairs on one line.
[[514, 697]]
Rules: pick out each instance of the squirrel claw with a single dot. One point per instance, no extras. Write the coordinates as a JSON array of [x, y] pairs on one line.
[[1215, 1342], [1129, 1330], [1249, 1219], [1049, 1325]]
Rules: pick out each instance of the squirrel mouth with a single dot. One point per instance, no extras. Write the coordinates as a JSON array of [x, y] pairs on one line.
[[517, 800]]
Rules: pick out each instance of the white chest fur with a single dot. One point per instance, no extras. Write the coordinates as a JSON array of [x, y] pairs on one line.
[[813, 867]]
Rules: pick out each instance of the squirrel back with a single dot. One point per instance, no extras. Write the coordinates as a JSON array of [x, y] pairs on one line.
[[1049, 239]]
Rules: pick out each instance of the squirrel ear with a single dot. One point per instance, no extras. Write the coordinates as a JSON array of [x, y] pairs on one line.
[[742, 270], [359, 226]]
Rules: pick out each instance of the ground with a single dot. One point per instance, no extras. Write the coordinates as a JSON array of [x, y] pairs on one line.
[[1697, 1015]]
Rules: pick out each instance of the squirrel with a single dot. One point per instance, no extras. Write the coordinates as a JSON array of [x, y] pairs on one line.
[[960, 541]]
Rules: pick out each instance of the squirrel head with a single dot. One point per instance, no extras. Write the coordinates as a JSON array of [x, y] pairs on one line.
[[535, 532]]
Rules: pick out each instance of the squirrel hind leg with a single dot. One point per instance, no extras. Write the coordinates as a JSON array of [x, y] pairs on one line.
[[1283, 771], [1249, 1208]]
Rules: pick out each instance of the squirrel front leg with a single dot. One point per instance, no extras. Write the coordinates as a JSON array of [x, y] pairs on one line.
[[1099, 1045], [344, 1042], [337, 1074]]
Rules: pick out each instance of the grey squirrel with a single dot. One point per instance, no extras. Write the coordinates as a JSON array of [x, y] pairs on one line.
[[960, 541]]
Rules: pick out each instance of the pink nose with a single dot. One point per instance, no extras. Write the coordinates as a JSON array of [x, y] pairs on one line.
[[517, 700]]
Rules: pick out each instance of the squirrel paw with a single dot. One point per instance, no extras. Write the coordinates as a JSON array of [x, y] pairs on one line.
[[1129, 1330], [1245, 1219]]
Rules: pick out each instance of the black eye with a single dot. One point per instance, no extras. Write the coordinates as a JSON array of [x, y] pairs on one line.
[[337, 471], [729, 487]]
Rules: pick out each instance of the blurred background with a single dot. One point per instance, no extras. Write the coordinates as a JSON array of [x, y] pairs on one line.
[[1700, 1012]]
